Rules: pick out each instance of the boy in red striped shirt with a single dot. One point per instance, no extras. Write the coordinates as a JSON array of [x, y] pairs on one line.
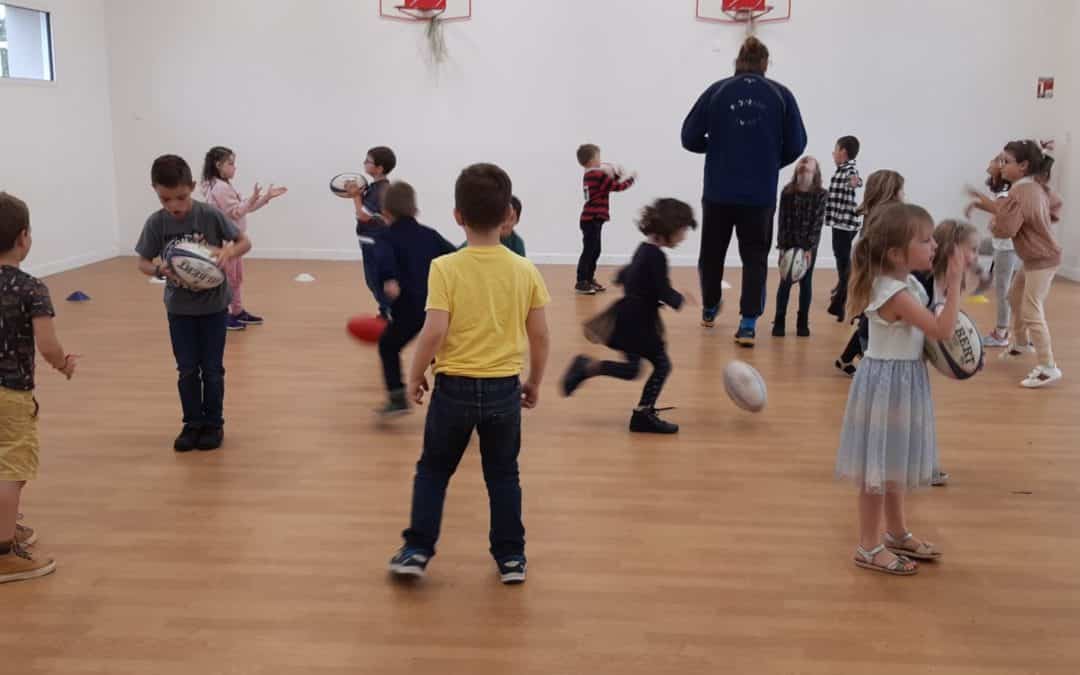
[[600, 181]]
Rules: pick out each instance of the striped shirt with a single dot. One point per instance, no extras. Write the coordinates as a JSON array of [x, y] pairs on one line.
[[841, 204], [598, 187]]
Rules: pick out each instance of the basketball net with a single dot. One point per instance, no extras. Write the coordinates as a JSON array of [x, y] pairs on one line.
[[749, 17], [435, 38]]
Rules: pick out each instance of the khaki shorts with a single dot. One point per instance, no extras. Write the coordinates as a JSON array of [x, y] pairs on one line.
[[18, 435]]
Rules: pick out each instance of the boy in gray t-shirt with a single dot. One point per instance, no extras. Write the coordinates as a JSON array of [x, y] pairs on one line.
[[196, 318]]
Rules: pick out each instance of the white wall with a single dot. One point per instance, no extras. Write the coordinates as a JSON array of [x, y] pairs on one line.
[[301, 89], [1067, 166], [56, 149]]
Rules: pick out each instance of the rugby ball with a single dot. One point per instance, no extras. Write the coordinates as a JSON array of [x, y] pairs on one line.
[[194, 265], [338, 184], [960, 356], [793, 265], [745, 386]]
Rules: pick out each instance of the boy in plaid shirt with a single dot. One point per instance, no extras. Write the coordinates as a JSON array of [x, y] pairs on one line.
[[841, 217]]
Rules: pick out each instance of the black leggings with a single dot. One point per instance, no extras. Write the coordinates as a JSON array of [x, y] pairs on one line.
[[629, 369]]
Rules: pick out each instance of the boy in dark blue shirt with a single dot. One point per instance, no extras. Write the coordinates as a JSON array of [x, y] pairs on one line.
[[380, 161], [403, 253]]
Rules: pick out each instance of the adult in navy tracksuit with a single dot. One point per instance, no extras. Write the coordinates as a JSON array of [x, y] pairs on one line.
[[748, 127], [403, 255]]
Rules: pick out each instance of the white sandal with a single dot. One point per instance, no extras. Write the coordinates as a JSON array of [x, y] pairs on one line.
[[898, 545], [898, 567]]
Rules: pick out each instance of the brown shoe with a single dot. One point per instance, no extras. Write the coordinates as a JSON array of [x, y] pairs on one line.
[[20, 564], [25, 535]]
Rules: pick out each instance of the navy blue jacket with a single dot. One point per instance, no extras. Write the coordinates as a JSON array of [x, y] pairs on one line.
[[403, 253], [749, 127]]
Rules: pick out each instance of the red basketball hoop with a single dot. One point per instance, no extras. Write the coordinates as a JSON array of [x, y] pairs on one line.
[[422, 9]]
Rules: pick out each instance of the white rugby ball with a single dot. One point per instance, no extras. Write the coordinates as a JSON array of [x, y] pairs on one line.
[[194, 265], [793, 265], [745, 386], [959, 357]]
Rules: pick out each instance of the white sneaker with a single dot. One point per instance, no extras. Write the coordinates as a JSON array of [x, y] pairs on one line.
[[994, 339], [1041, 376]]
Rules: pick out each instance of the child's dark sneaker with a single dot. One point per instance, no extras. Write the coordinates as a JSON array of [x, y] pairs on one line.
[[845, 368], [233, 322], [249, 319], [575, 374], [409, 562], [584, 288], [19, 564], [396, 405], [648, 422], [779, 329], [708, 316], [802, 328], [512, 570], [598, 287], [188, 438], [210, 438]]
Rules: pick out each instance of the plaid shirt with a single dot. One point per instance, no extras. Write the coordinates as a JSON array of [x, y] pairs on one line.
[[801, 217], [841, 205]]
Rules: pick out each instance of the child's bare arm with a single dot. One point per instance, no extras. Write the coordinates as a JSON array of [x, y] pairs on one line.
[[536, 327], [436, 325], [49, 346]]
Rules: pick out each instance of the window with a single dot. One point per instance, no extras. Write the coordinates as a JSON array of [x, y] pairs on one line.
[[25, 43]]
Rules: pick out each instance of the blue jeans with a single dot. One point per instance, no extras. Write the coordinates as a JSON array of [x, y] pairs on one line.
[[458, 406], [198, 344], [371, 278]]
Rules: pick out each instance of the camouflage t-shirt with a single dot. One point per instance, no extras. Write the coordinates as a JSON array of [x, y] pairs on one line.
[[22, 299]]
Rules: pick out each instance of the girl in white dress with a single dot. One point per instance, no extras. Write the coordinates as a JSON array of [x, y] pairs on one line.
[[888, 444]]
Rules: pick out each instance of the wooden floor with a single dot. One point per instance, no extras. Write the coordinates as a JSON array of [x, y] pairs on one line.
[[725, 549]]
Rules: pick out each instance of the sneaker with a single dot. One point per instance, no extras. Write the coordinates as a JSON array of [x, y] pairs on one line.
[[845, 368], [648, 422], [233, 322], [396, 406], [940, 478], [20, 564], [512, 570], [408, 563], [779, 330], [1015, 351], [25, 536], [249, 319], [708, 316], [996, 338], [188, 438], [575, 375], [1041, 376], [802, 329], [210, 438], [584, 288], [599, 288], [744, 337]]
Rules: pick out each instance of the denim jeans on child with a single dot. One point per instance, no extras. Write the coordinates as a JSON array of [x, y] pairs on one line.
[[198, 344]]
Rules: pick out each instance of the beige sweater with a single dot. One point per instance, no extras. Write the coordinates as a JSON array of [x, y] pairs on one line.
[[1025, 216]]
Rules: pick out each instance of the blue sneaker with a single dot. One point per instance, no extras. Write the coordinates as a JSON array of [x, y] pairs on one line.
[[408, 562], [234, 323], [744, 337], [512, 570], [708, 316]]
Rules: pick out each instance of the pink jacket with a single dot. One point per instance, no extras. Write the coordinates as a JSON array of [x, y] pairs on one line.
[[1025, 217], [223, 196]]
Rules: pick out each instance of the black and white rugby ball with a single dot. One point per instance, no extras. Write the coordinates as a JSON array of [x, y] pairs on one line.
[[194, 265], [793, 265], [960, 356]]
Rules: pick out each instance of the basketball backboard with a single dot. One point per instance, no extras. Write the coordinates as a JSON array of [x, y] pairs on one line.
[[424, 10], [741, 11]]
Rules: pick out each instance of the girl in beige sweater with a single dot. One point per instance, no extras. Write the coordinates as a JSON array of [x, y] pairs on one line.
[[1025, 217]]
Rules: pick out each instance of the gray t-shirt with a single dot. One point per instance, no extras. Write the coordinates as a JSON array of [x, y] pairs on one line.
[[161, 229]]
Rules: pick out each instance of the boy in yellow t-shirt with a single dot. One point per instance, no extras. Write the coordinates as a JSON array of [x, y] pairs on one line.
[[484, 303]]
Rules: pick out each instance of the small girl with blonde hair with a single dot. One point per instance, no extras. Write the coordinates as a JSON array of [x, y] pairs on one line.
[[888, 444]]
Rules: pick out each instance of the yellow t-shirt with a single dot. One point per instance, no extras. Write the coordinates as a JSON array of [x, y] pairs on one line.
[[489, 292]]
